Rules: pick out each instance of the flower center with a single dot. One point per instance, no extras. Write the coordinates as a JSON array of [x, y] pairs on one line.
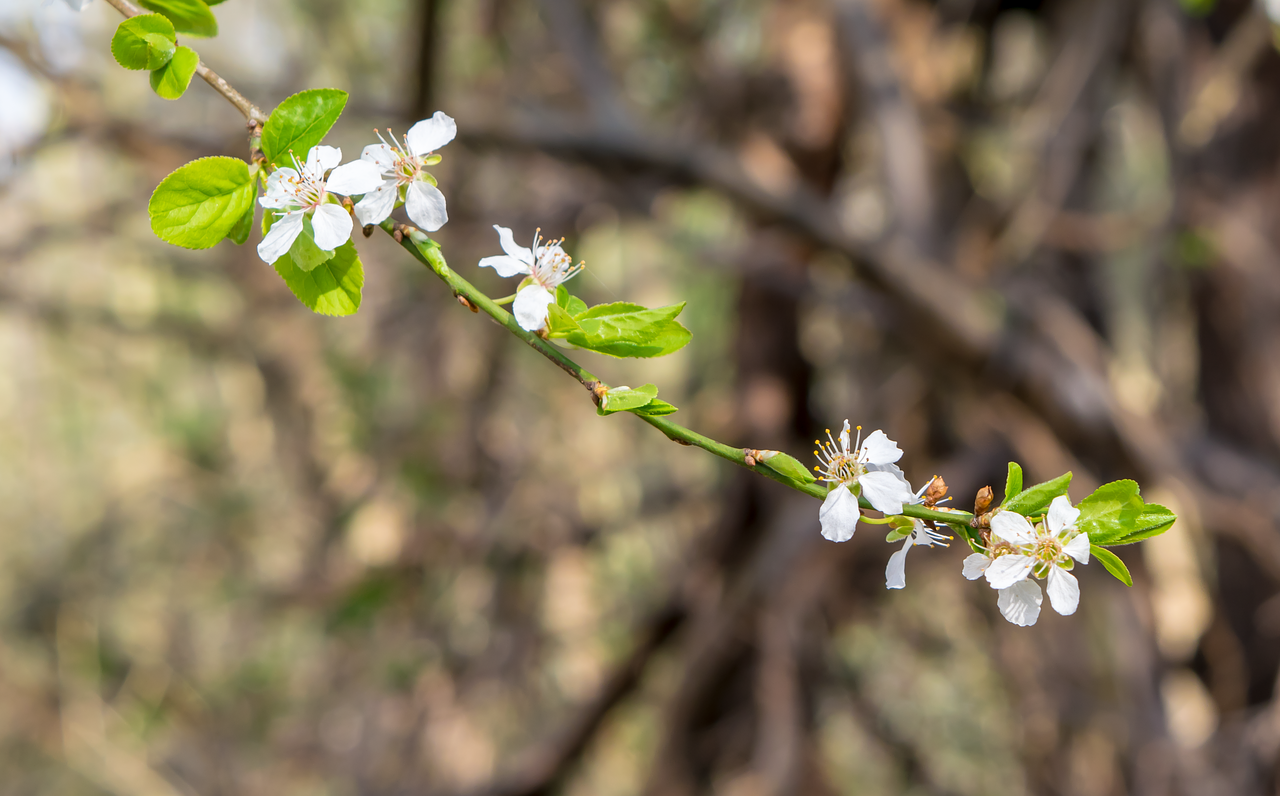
[[306, 190], [837, 464], [552, 265], [406, 167], [1047, 549]]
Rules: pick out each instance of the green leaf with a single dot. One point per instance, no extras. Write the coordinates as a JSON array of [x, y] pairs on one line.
[[146, 41], [171, 80], [1013, 483], [622, 329], [213, 2], [191, 17], [1154, 520], [1110, 512], [200, 203], [620, 399], [331, 288], [240, 232], [304, 251], [656, 408], [569, 303], [1033, 501], [786, 465], [1113, 564], [299, 123]]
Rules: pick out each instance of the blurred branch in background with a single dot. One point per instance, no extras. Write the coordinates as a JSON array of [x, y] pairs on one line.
[[253, 551]]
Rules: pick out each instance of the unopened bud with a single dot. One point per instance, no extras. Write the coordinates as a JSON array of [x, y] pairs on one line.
[[465, 302], [983, 501], [937, 491], [367, 229]]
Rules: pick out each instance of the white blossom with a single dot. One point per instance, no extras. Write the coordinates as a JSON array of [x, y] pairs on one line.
[[1020, 551], [304, 191], [401, 165], [546, 266], [868, 465]]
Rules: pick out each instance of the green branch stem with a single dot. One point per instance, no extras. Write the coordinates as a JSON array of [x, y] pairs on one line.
[[427, 252]]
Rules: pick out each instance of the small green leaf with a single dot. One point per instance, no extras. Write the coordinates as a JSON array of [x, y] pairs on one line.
[[299, 123], [191, 17], [656, 408], [620, 399], [146, 41], [331, 288], [240, 232], [1013, 484], [1113, 564], [200, 203], [171, 80], [1110, 512], [897, 534], [622, 329], [569, 303], [786, 465], [304, 251], [1033, 501], [1154, 520]]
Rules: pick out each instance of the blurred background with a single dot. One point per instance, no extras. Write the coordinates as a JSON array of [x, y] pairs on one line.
[[248, 550]]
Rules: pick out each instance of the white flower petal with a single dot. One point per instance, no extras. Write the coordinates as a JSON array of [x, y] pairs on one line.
[[281, 237], [510, 246], [381, 156], [1061, 515], [839, 514], [429, 135], [321, 158], [1020, 603], [530, 307], [377, 204], [1013, 527], [1008, 570], [1064, 591], [895, 574], [279, 193], [1078, 548], [844, 437], [885, 492], [504, 265], [332, 226], [879, 449], [425, 205], [356, 177], [975, 565]]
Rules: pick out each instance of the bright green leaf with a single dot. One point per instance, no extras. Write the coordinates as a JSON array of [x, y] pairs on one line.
[[897, 534], [299, 123], [786, 465], [200, 203], [1033, 501], [1110, 512], [622, 329], [331, 288], [1013, 483], [191, 17], [656, 408], [620, 399], [240, 232], [1154, 520], [171, 80], [571, 304], [1113, 564], [304, 251], [146, 41]]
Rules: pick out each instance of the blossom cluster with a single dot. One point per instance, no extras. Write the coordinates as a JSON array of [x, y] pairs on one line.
[[1010, 554]]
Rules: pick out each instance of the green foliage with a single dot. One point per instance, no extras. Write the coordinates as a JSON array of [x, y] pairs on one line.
[[1153, 521], [1113, 564], [191, 17], [240, 232], [1110, 511], [621, 399], [569, 303], [200, 203], [656, 408], [786, 465], [146, 41], [331, 288], [171, 80], [1013, 483], [305, 253], [1034, 500], [299, 123], [620, 329]]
